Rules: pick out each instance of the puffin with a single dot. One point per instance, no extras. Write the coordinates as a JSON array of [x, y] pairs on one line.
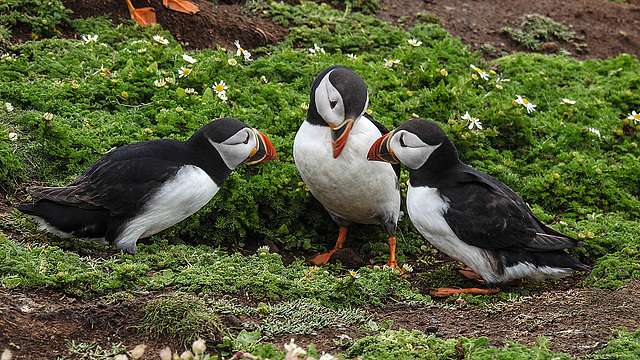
[[330, 152], [471, 216], [142, 188]]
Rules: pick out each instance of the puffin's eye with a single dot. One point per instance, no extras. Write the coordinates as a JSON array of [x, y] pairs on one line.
[[402, 142], [246, 141], [332, 103]]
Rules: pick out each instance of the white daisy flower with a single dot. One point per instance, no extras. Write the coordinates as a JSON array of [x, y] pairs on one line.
[[241, 51], [473, 122], [634, 116], [184, 72], [8, 106], [414, 42], [568, 102], [189, 59], [390, 62], [352, 57], [13, 136], [89, 38], [232, 62], [161, 39], [316, 50], [159, 83], [524, 102], [190, 91], [480, 72]]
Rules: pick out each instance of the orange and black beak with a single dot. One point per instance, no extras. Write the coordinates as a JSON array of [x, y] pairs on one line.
[[264, 150], [339, 134], [381, 151]]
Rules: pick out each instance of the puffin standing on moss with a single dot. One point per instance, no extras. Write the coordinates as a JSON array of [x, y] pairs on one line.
[[140, 189], [330, 152], [471, 216]]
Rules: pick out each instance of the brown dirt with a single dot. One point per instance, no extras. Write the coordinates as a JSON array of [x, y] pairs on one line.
[[38, 323]]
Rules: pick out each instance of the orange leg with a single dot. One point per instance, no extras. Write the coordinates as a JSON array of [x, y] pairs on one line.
[[322, 259], [143, 16], [181, 6], [392, 253], [446, 292]]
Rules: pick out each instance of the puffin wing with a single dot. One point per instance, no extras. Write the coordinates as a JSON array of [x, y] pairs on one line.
[[118, 182], [383, 130], [486, 213]]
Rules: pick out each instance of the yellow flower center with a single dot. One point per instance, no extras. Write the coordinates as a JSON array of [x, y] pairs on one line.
[[219, 87], [525, 101], [636, 116]]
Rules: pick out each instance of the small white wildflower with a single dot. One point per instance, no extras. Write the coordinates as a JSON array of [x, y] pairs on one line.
[[444, 72], [501, 80], [6, 56], [220, 86], [190, 91], [264, 79], [184, 72], [316, 50], [473, 122], [407, 268], [264, 249], [568, 102], [595, 131], [480, 72], [223, 96], [304, 106], [189, 59], [168, 80], [47, 116], [524, 102], [232, 62], [161, 39], [352, 57], [354, 274], [159, 83], [634, 116], [89, 38], [142, 50], [242, 52], [390, 62], [13, 136], [8, 106], [414, 42]]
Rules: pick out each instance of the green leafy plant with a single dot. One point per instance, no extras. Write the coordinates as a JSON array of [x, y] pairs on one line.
[[536, 29]]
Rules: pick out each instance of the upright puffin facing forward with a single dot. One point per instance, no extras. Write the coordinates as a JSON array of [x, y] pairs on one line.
[[469, 215], [143, 188], [330, 152]]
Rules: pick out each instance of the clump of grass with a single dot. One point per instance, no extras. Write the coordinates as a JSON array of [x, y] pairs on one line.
[[182, 316], [623, 345], [536, 29], [306, 316]]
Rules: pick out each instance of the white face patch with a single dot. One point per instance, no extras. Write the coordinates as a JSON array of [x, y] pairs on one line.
[[329, 102], [410, 149], [237, 148]]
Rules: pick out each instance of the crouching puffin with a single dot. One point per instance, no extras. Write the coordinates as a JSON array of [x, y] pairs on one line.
[[330, 152], [139, 189], [469, 215]]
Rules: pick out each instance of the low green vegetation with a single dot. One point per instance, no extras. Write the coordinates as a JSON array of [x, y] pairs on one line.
[[536, 29], [570, 150]]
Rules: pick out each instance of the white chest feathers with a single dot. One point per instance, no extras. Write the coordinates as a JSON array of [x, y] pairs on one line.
[[348, 186], [174, 201]]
